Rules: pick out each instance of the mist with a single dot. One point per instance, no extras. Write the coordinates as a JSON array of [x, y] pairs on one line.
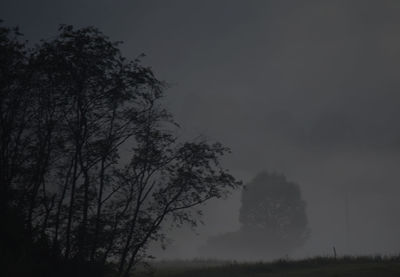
[[309, 89]]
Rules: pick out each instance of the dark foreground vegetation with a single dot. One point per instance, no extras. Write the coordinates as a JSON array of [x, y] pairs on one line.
[[90, 161], [318, 267]]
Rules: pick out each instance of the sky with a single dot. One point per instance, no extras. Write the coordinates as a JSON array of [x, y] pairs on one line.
[[306, 88]]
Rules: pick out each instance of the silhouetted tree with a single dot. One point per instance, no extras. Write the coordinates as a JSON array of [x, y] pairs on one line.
[[14, 140], [273, 222], [273, 208], [89, 155]]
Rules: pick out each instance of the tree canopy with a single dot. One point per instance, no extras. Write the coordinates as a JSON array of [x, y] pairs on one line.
[[273, 222], [273, 206], [90, 163]]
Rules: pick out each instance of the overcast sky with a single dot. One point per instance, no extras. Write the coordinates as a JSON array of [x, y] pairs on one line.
[[310, 89]]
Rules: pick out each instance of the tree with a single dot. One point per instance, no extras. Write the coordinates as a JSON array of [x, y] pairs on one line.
[[14, 115], [273, 208], [98, 166], [273, 222]]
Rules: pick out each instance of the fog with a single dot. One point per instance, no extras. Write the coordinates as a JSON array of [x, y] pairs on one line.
[[309, 89]]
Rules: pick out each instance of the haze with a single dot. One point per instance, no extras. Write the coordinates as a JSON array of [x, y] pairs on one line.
[[309, 89]]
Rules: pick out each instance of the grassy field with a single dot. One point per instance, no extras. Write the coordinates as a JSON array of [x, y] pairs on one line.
[[315, 267]]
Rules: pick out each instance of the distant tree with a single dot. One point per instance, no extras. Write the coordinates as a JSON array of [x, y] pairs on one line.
[[273, 222], [273, 207], [88, 154]]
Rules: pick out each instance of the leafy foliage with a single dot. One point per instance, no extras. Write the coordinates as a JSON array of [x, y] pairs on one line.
[[89, 157], [273, 206], [273, 222]]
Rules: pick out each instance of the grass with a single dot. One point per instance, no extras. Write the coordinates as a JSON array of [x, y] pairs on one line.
[[365, 266]]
